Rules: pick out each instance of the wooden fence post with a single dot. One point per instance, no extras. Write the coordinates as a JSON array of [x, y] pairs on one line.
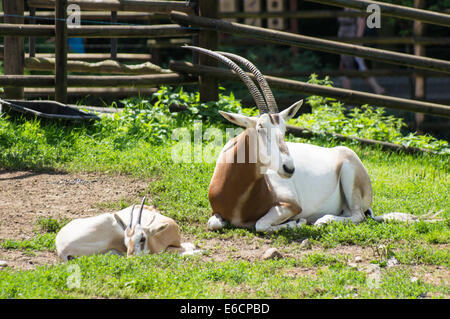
[[61, 51], [208, 39], [14, 55], [419, 80]]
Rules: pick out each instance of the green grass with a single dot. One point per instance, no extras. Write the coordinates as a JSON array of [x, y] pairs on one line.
[[39, 242], [172, 276], [138, 144]]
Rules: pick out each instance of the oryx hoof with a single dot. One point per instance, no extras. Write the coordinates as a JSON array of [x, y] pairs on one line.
[[216, 222]]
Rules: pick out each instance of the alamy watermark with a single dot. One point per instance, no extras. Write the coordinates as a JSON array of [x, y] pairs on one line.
[[74, 279], [212, 145], [373, 21], [73, 16]]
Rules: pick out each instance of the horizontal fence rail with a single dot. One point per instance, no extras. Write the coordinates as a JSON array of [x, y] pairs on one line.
[[102, 67], [441, 41], [95, 56], [310, 14], [120, 5], [280, 37], [303, 132], [343, 95], [131, 15], [393, 10], [89, 15], [38, 81], [49, 93], [90, 31]]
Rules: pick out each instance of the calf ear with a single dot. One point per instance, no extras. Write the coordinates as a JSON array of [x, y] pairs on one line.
[[239, 119], [289, 113], [120, 222], [157, 228]]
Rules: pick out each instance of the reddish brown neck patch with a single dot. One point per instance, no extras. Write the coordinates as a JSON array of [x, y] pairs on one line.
[[232, 182]]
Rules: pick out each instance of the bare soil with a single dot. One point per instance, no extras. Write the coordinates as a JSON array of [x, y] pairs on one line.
[[27, 196]]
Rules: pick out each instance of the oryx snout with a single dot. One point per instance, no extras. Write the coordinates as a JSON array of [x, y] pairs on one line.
[[287, 168]]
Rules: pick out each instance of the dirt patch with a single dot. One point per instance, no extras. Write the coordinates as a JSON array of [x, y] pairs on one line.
[[26, 196], [18, 259]]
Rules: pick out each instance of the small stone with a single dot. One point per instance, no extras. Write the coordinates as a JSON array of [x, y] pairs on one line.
[[306, 244], [358, 259], [271, 253], [392, 262], [414, 279], [3, 263], [373, 268]]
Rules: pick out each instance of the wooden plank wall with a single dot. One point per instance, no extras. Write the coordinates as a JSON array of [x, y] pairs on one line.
[[255, 6]]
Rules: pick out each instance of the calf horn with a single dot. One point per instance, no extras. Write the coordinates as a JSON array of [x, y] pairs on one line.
[[131, 217], [254, 91], [140, 212], [265, 88]]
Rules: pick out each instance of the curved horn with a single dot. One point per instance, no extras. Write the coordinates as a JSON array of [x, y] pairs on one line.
[[140, 212], [131, 217], [259, 100], [267, 92]]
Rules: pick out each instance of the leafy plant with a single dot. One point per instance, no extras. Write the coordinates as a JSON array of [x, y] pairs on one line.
[[51, 225]]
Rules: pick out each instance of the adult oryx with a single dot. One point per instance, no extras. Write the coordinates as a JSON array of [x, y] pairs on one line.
[[263, 182]]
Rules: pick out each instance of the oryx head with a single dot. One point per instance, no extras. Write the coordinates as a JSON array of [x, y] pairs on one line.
[[136, 236], [270, 125]]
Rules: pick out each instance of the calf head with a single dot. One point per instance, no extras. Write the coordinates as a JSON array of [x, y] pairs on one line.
[[136, 237]]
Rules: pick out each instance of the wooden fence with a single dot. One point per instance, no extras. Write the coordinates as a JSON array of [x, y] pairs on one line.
[[200, 22]]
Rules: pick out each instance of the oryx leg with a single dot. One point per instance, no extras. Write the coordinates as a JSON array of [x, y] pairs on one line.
[[185, 249], [353, 182], [279, 217], [216, 222]]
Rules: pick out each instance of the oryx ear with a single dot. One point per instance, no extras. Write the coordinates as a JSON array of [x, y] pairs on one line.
[[240, 120], [120, 222], [157, 228], [289, 113]]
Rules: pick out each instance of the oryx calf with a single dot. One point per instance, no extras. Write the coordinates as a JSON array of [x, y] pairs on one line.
[[115, 233]]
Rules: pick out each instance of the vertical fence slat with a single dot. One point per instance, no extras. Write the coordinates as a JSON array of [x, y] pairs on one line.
[[61, 51], [209, 90], [14, 59], [419, 80], [32, 40], [113, 40]]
